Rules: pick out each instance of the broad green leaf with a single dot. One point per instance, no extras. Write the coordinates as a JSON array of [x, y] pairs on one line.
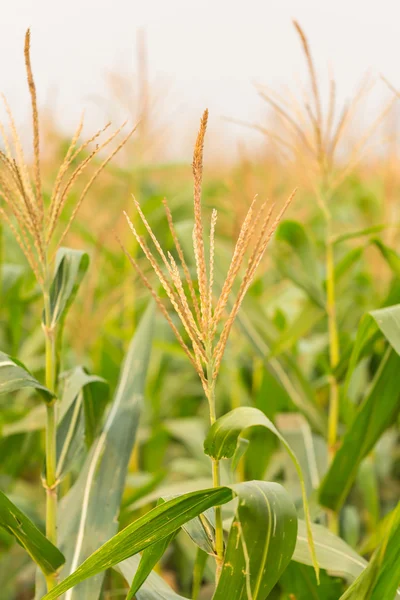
[[381, 578], [222, 439], [333, 554], [71, 266], [376, 413], [261, 541], [154, 588], [42, 551], [14, 376], [152, 527], [90, 521]]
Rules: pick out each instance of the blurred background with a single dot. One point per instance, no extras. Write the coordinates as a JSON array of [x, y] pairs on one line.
[[181, 56]]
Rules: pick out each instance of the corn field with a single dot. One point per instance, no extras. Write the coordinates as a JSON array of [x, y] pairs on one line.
[[199, 364]]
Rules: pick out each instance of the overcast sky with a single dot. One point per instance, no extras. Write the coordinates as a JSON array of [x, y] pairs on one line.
[[203, 52]]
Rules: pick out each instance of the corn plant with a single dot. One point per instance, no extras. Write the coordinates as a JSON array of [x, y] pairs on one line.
[[249, 532]]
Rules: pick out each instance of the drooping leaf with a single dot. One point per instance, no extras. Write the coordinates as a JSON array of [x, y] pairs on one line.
[[310, 450], [152, 527], [15, 376], [222, 439], [261, 541], [333, 554], [376, 413], [90, 521], [42, 551]]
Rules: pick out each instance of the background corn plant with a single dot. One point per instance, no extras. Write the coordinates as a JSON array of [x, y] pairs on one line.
[[132, 441]]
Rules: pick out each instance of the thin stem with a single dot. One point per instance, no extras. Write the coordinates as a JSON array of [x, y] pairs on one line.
[[333, 348], [51, 431], [219, 532], [334, 356]]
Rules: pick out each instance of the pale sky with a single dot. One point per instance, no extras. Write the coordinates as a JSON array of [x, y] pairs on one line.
[[202, 53]]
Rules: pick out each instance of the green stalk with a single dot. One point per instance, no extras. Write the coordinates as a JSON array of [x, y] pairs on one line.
[[51, 431], [333, 349], [334, 356], [219, 532]]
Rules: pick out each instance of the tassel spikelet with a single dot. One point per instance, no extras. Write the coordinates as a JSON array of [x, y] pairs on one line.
[[33, 221], [206, 320]]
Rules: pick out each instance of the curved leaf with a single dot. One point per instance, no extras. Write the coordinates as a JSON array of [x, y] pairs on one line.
[[157, 524], [15, 376], [41, 550], [333, 554], [222, 440], [261, 541]]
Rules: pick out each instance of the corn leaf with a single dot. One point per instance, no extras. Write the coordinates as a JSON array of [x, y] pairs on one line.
[[154, 588], [88, 513], [42, 551], [79, 416], [261, 541], [333, 554], [15, 376], [71, 266], [149, 559], [222, 440], [160, 522]]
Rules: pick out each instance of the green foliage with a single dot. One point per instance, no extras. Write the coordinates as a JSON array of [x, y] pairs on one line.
[[140, 509], [15, 522]]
